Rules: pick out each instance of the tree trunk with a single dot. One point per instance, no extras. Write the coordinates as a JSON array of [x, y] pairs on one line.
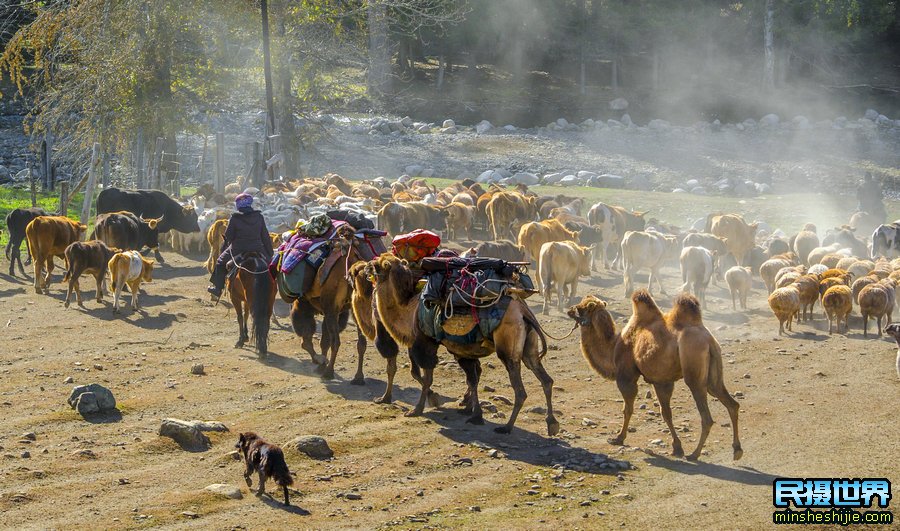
[[440, 75], [769, 43], [290, 143], [379, 54]]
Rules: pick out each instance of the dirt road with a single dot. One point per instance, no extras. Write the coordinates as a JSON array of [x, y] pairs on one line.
[[811, 406]]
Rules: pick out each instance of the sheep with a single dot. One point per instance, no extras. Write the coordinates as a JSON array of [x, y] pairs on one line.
[[770, 268], [785, 304], [804, 242], [859, 284], [817, 269], [838, 303], [808, 286], [816, 255], [875, 301], [861, 268], [696, 271], [787, 278], [739, 282]]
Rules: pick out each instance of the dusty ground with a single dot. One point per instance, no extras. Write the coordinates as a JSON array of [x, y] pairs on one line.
[[812, 406]]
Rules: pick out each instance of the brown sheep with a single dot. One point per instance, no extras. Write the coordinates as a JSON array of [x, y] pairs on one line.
[[846, 262], [808, 286], [875, 301], [859, 284], [769, 269], [838, 303], [804, 242], [785, 304]]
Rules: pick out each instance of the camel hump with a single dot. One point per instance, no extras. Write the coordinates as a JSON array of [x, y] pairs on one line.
[[685, 312], [643, 305]]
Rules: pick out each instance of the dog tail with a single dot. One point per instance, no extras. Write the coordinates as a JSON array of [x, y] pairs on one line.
[[277, 468]]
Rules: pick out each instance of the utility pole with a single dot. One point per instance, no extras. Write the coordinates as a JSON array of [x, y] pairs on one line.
[[267, 65]]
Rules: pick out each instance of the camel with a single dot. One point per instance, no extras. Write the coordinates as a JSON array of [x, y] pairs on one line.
[[515, 341], [332, 301], [663, 348]]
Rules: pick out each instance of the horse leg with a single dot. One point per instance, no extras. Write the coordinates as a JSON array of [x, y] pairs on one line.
[[532, 359], [359, 379], [238, 304], [472, 368], [627, 384], [664, 393]]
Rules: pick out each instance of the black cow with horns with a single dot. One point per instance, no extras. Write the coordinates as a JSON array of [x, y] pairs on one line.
[[150, 204]]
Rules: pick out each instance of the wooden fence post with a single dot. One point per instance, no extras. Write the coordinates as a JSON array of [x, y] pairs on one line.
[[32, 180], [63, 208], [220, 163], [259, 165], [91, 184], [139, 159], [105, 172], [47, 162], [202, 179]]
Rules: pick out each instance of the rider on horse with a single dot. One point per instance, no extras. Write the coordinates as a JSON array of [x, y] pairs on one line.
[[246, 233]]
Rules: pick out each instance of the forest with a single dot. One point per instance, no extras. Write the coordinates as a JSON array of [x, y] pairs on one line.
[[103, 70]]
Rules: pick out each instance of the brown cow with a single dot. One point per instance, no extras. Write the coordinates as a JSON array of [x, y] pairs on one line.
[[535, 234], [561, 263], [129, 268], [741, 235], [48, 236], [459, 218], [90, 258], [214, 237]]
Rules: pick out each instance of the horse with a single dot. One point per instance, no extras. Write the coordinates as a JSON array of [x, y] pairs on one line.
[[252, 291]]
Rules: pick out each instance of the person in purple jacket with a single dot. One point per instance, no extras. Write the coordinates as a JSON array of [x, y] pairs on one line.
[[246, 233]]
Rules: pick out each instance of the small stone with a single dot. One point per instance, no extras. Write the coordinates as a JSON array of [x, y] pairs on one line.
[[747, 376], [189, 514], [352, 496], [488, 389], [98, 367], [68, 380], [186, 434], [588, 422], [532, 492], [493, 453], [197, 369], [89, 454], [420, 493], [649, 395], [475, 509], [30, 436], [228, 491], [25, 455]]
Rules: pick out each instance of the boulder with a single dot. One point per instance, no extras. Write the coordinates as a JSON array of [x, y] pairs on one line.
[[659, 125], [553, 178], [716, 125], [585, 175], [313, 446], [639, 182], [562, 122], [614, 123], [448, 130], [103, 396], [483, 127], [488, 176], [357, 129], [406, 121], [209, 425], [589, 123], [87, 403], [510, 128], [5, 174], [23, 175], [608, 180], [769, 120], [883, 121], [414, 169], [692, 183], [840, 122], [424, 129], [528, 179], [448, 123], [626, 120], [570, 180], [185, 433], [679, 191], [228, 491], [618, 104], [800, 122], [871, 114], [763, 188], [749, 123]]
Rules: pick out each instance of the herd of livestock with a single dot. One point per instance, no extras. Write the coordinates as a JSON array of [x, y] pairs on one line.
[[565, 238]]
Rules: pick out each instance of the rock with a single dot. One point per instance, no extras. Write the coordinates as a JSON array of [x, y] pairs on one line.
[[25, 455], [510, 128], [68, 380], [448, 123], [553, 178], [5, 174], [406, 121], [626, 120], [562, 122], [840, 122], [883, 121], [618, 104], [414, 169], [89, 454], [313, 446], [448, 130], [424, 129], [29, 436], [800, 122], [353, 496], [679, 191], [659, 125], [104, 397], [608, 180], [23, 175], [638, 182], [585, 175], [871, 114], [189, 514], [185, 433], [528, 179], [357, 129], [588, 422], [692, 183], [614, 123], [483, 127], [209, 425], [197, 368], [228, 491], [763, 188], [489, 176], [716, 125], [769, 120], [749, 123], [570, 180], [86, 404]]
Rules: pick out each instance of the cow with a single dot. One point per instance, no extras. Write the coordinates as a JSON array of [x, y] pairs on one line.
[[126, 231], [397, 218], [90, 258], [48, 236], [561, 263], [503, 249], [533, 235], [886, 241], [592, 236], [459, 218], [215, 237], [129, 267], [710, 242], [646, 250], [615, 221], [16, 221], [150, 204], [741, 236]]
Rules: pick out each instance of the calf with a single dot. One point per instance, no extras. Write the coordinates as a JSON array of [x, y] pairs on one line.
[[646, 250], [16, 221], [711, 242], [533, 235], [90, 258], [130, 268], [215, 237], [562, 263], [48, 236]]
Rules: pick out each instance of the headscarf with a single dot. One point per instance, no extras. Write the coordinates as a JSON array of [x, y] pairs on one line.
[[243, 202]]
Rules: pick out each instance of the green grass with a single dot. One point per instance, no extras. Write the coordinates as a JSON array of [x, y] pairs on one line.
[[13, 198]]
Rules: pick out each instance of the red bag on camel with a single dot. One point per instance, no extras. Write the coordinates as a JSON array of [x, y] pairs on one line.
[[415, 245]]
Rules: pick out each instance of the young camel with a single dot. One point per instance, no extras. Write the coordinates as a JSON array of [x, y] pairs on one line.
[[515, 341], [332, 301], [662, 348]]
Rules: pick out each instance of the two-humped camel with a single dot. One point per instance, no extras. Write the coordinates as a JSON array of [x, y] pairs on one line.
[[663, 348]]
